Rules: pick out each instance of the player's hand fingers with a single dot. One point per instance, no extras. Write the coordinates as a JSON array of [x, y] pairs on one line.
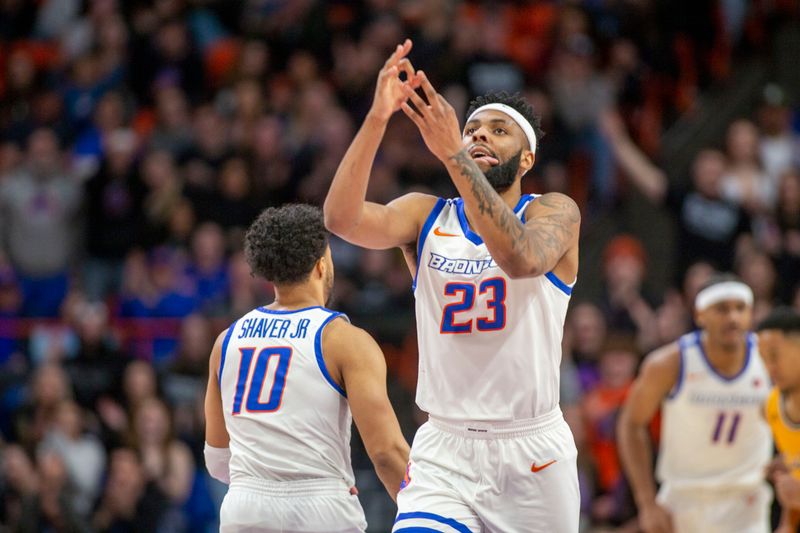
[[427, 88], [404, 65], [416, 99], [400, 51], [415, 117]]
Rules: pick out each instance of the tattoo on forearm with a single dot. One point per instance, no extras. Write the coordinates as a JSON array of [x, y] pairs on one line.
[[544, 238]]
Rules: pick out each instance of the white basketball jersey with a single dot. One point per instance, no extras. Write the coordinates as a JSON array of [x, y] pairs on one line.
[[713, 432], [287, 419], [489, 345]]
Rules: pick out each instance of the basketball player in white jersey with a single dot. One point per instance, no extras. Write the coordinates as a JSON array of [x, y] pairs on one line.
[[283, 381], [493, 273], [715, 444]]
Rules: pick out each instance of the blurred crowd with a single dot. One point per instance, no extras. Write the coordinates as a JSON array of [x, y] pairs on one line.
[[138, 140]]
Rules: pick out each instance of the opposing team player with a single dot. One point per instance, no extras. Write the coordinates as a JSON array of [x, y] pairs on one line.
[[493, 274], [779, 344], [710, 385], [283, 381]]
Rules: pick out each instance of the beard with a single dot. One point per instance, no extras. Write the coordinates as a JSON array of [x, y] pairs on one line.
[[502, 176]]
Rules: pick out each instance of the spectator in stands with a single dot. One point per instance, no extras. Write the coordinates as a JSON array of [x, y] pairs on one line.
[[38, 210], [586, 328], [20, 482], [129, 502], [708, 224], [114, 200], [779, 145], [51, 507], [208, 269], [167, 461], [49, 387], [745, 182], [97, 368], [612, 504], [82, 455], [624, 304]]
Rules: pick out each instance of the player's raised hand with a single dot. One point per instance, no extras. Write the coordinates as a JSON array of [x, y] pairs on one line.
[[389, 92], [655, 519], [436, 119]]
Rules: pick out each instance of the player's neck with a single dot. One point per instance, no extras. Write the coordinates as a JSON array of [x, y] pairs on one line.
[[726, 360], [297, 297], [510, 198]]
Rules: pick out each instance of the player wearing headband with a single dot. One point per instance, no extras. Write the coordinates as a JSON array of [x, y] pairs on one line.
[[710, 385], [493, 273]]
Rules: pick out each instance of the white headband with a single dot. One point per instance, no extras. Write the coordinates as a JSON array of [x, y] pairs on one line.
[[516, 116], [728, 290]]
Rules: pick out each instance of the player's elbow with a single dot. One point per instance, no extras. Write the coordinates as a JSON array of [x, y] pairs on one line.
[[520, 267], [337, 221], [390, 457]]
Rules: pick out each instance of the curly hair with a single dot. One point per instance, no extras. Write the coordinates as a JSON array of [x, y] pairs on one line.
[[283, 243], [514, 101]]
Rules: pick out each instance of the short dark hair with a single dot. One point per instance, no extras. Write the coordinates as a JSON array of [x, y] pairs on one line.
[[283, 243], [514, 101], [719, 277], [782, 318]]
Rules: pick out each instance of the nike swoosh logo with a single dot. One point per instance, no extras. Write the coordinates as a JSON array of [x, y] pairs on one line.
[[438, 231], [535, 468]]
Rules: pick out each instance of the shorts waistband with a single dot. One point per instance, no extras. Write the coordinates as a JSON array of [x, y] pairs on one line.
[[268, 487], [480, 429]]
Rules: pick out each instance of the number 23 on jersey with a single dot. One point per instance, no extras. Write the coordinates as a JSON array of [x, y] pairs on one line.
[[493, 320]]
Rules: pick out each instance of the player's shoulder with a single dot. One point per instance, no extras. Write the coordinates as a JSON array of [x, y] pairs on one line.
[[417, 203], [555, 201], [339, 333], [664, 361]]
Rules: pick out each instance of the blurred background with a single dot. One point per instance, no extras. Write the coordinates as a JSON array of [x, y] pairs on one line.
[[138, 139]]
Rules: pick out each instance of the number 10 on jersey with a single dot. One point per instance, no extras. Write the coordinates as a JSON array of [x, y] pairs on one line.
[[496, 306], [254, 382]]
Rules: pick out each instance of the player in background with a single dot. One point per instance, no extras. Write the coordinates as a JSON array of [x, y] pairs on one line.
[[779, 344], [493, 274], [283, 381], [710, 385]]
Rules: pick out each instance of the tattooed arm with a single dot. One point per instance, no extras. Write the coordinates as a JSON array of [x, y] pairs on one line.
[[549, 238], [536, 247]]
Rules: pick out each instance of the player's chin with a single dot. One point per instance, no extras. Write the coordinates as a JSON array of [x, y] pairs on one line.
[[483, 165]]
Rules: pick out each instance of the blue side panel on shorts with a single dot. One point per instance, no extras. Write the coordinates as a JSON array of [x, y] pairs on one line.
[[225, 349], [318, 353], [426, 228], [416, 529], [431, 516]]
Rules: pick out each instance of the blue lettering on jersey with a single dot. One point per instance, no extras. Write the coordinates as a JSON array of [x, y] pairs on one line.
[[273, 328], [460, 266]]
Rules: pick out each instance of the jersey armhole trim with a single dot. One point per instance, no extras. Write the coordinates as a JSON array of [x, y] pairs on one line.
[[318, 353], [681, 369], [423, 235], [563, 287], [224, 350]]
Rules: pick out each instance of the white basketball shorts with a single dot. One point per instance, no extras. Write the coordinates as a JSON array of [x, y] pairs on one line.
[[718, 510], [316, 505], [471, 477]]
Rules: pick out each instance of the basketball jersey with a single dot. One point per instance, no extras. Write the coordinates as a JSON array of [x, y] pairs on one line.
[[785, 432], [286, 417], [713, 433], [489, 345]]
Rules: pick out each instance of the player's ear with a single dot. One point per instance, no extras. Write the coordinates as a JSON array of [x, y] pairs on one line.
[[526, 160], [320, 267]]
